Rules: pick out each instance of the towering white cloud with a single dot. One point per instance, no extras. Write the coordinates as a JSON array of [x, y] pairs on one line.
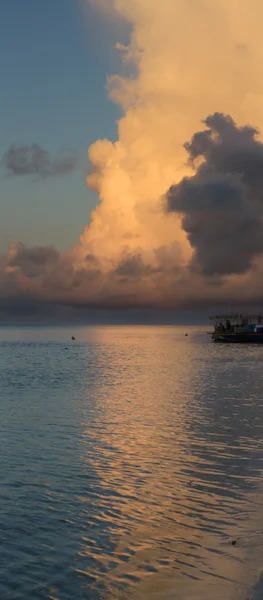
[[150, 240], [191, 58]]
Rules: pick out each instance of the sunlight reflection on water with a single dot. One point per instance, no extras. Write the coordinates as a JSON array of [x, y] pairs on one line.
[[132, 459]]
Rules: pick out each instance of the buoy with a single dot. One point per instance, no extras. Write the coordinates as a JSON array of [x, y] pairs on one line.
[[186, 334], [73, 338], [234, 542]]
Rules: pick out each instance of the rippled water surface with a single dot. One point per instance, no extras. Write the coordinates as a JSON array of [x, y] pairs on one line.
[[130, 460]]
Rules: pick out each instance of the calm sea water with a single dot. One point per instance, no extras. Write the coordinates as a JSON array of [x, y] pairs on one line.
[[130, 460]]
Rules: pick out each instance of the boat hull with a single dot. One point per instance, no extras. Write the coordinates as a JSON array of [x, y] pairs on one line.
[[238, 338]]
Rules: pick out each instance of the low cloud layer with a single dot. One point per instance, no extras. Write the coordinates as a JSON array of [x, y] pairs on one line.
[[32, 160]]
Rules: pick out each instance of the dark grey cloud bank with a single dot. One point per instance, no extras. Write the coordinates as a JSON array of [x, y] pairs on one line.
[[32, 160], [221, 206], [222, 203], [33, 262]]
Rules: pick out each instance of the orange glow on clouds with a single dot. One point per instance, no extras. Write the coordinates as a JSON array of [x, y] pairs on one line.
[[192, 58]]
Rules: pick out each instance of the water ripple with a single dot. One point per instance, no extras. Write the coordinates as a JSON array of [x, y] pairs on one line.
[[132, 459]]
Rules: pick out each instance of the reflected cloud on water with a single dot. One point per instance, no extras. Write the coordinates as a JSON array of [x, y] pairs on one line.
[[176, 446], [133, 459]]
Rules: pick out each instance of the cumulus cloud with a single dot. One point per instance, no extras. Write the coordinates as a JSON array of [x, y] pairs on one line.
[[36, 162], [203, 245], [31, 278], [164, 91], [222, 203], [31, 262]]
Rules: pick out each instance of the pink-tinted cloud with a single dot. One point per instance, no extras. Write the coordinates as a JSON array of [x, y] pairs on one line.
[[177, 225]]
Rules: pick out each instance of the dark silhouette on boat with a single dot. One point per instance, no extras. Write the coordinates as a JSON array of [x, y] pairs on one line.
[[238, 328]]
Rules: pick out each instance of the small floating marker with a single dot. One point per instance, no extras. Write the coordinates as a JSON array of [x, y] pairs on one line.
[[186, 334], [234, 542], [73, 338]]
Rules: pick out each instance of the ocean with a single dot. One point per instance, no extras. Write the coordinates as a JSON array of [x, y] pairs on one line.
[[131, 465]]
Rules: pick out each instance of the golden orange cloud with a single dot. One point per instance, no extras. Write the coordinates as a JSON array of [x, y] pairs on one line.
[[190, 59], [186, 60]]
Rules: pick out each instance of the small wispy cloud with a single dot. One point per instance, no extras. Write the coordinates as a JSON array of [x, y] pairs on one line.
[[32, 160]]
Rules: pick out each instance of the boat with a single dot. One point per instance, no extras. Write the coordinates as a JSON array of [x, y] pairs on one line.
[[238, 329]]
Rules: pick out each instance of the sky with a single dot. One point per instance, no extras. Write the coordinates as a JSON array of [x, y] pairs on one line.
[[53, 93], [132, 155]]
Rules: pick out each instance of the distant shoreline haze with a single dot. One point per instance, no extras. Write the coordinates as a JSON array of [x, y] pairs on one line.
[[63, 316]]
